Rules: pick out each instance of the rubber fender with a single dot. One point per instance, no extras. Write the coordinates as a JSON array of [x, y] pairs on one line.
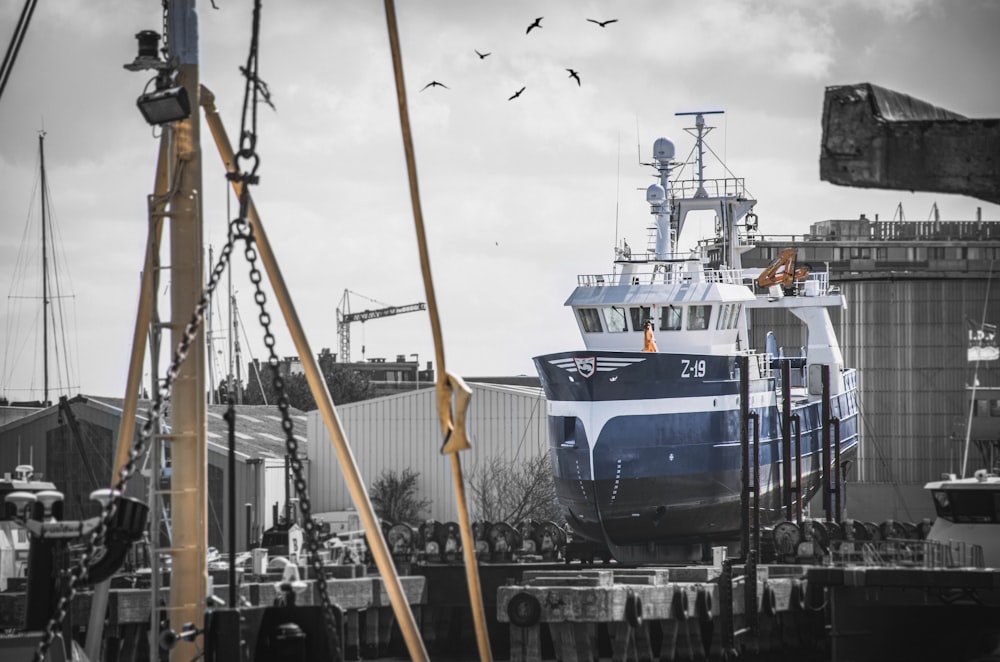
[[679, 604], [815, 596], [524, 610], [633, 609], [703, 605], [768, 601], [797, 597], [126, 527]]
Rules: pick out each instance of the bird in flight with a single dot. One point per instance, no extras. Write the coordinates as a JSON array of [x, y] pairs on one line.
[[602, 23], [434, 83], [516, 94], [575, 75], [536, 24], [482, 56]]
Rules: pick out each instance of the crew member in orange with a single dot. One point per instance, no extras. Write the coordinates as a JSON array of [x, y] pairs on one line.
[[650, 345]]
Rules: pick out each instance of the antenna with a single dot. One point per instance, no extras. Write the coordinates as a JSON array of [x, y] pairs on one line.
[[618, 182], [638, 148], [702, 131]]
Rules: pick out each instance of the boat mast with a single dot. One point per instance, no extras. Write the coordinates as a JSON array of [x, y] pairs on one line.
[[210, 342], [189, 451], [45, 274], [237, 353], [658, 197]]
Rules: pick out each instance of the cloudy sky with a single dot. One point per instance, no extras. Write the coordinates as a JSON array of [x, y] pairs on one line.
[[518, 196]]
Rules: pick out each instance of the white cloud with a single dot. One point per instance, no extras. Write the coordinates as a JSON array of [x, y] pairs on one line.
[[518, 196]]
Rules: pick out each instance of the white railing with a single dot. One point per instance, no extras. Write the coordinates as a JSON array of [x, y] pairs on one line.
[[660, 276], [759, 364]]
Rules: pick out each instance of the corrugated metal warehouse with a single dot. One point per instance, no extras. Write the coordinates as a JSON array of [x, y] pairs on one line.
[[78, 464], [403, 431]]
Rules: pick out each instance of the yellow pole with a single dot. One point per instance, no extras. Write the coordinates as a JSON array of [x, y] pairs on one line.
[[379, 548], [456, 438], [188, 437]]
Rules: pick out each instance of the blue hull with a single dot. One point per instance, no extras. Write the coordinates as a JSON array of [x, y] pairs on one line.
[[645, 447]]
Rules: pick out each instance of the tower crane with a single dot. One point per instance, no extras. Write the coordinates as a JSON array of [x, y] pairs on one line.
[[345, 317]]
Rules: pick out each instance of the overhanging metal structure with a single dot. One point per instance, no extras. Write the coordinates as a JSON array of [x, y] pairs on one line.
[[877, 138]]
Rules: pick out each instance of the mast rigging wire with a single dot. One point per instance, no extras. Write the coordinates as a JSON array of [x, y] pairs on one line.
[[15, 43]]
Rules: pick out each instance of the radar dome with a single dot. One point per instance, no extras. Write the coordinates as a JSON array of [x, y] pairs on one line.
[[656, 195], [663, 149]]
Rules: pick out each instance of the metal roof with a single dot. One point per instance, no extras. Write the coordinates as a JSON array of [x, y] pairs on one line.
[[258, 429]]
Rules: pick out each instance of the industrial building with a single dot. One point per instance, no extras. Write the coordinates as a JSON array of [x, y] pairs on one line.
[[72, 444], [921, 297]]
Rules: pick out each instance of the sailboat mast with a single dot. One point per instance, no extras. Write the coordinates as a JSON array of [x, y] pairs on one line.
[[237, 354], [45, 272]]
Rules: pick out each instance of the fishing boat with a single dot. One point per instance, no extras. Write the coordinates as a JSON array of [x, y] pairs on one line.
[[968, 516], [645, 425]]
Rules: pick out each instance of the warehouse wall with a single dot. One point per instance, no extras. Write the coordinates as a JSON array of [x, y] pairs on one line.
[[402, 431]]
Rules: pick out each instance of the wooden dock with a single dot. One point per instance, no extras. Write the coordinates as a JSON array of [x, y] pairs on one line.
[[581, 613]]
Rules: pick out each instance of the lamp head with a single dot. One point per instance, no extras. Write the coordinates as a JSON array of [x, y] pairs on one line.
[[164, 105]]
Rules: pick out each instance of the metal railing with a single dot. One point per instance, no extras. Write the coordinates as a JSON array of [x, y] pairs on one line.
[[658, 275], [907, 553]]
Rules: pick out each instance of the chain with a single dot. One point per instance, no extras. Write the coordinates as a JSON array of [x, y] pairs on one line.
[[291, 444], [79, 572], [165, 49], [254, 89], [238, 229]]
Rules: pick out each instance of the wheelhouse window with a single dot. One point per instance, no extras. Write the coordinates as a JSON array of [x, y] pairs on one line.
[[737, 309], [670, 319], [968, 506], [614, 317], [698, 317], [639, 316], [722, 319], [590, 319]]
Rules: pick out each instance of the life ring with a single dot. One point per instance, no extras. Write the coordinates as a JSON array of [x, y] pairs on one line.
[[797, 597], [679, 605], [768, 601], [524, 610], [633, 609], [703, 605]]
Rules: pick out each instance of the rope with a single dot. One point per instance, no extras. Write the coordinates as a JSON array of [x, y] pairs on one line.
[[456, 438]]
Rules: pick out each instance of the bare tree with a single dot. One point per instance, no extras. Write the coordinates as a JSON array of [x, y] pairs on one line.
[[394, 497], [344, 384], [511, 491]]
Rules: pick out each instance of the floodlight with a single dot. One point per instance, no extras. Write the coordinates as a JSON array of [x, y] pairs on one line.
[[166, 105]]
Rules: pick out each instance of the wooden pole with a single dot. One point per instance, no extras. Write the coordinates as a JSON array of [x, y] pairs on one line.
[[379, 548]]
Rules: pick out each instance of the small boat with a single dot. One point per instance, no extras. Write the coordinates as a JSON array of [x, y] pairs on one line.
[[968, 515], [646, 445]]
